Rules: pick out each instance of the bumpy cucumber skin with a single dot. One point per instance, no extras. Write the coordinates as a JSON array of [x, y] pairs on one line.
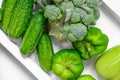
[[2, 9], [7, 11], [33, 33], [20, 18], [45, 52], [108, 64], [0, 15]]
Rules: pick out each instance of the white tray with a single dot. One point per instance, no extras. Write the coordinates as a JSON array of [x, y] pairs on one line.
[[113, 7], [107, 23]]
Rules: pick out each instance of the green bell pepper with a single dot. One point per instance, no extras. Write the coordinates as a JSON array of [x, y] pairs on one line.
[[85, 77], [67, 64], [95, 42]]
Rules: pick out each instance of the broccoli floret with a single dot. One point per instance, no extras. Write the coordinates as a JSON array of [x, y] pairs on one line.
[[87, 9], [66, 5], [75, 16], [96, 14], [89, 19], [75, 32], [78, 3], [52, 12], [92, 3]]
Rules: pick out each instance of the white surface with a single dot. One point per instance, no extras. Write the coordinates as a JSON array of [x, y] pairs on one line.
[[26, 61], [10, 69], [113, 5]]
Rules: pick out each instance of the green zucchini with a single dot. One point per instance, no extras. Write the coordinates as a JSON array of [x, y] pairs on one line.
[[7, 10], [108, 64], [45, 52], [33, 33], [20, 18]]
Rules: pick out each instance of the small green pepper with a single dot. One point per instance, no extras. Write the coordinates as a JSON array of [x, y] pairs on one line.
[[85, 77], [67, 64], [95, 42]]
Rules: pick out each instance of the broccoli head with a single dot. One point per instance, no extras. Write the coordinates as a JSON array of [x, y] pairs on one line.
[[69, 19], [92, 3], [78, 2], [71, 32], [75, 15], [52, 12], [66, 5], [75, 32]]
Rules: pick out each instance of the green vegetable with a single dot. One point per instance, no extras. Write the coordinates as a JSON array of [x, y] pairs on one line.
[[67, 64], [75, 32], [77, 14], [108, 64], [66, 5], [33, 33], [7, 11], [52, 12], [45, 52], [0, 15], [72, 32], [20, 18], [86, 77], [92, 3], [95, 42], [67, 12], [58, 1], [97, 14], [79, 2], [43, 3]]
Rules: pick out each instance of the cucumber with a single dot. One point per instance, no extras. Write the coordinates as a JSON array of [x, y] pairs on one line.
[[33, 33], [108, 64], [20, 18], [0, 15], [7, 11], [2, 10], [45, 52]]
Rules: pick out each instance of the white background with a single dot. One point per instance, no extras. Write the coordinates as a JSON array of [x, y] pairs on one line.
[[11, 69]]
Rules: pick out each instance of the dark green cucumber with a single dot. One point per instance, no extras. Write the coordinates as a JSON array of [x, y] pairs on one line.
[[7, 10], [33, 33], [20, 18], [45, 52], [0, 15], [2, 9]]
